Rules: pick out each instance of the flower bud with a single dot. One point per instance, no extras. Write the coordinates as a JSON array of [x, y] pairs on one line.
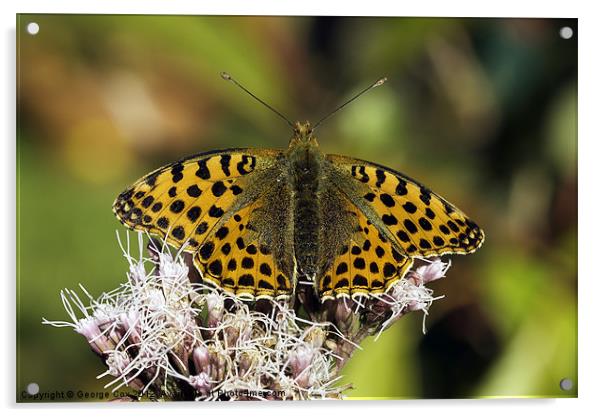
[[99, 342], [201, 359], [246, 361], [131, 325], [316, 337], [117, 362], [300, 361], [137, 273], [344, 317], [215, 309], [433, 271], [201, 383]]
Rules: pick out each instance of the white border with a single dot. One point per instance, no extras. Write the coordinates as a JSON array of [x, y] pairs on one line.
[[590, 68]]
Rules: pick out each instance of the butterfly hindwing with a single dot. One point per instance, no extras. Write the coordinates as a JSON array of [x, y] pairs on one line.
[[234, 259], [422, 222], [366, 264]]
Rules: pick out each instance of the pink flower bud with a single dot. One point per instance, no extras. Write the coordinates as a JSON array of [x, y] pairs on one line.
[[215, 309], [201, 383], [201, 359], [300, 360], [98, 341], [131, 325], [118, 362], [433, 271]]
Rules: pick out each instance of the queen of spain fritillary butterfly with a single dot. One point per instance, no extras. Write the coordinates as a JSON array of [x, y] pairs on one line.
[[259, 221]]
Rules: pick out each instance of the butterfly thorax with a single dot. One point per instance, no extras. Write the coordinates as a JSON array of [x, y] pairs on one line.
[[302, 134]]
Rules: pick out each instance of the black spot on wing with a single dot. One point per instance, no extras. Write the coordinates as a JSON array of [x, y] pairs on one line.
[[409, 207], [225, 163], [265, 269], [410, 226], [201, 228], [215, 268], [389, 219], [342, 283], [387, 200], [148, 200], [218, 188], [193, 191], [163, 223], [265, 285], [222, 233], [425, 224], [402, 187], [177, 206], [206, 250], [342, 268], [203, 171], [359, 263], [176, 172], [226, 248], [215, 211], [246, 280], [157, 207], [241, 167], [247, 263], [151, 179], [232, 265], [178, 232], [380, 177], [425, 195], [193, 213], [424, 244], [389, 270], [360, 281]]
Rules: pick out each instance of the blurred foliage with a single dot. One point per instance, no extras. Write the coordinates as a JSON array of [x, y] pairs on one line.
[[481, 110]]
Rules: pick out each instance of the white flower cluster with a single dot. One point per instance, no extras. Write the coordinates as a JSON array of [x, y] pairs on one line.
[[159, 332], [162, 334]]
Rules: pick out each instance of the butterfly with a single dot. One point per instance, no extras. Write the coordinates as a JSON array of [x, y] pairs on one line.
[[260, 221]]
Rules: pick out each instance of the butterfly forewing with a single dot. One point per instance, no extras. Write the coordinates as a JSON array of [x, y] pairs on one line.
[[422, 222], [184, 200]]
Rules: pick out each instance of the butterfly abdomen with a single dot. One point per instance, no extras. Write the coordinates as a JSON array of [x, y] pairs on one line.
[[305, 173]]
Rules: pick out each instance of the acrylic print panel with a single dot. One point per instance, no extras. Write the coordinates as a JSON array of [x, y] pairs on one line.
[[267, 267]]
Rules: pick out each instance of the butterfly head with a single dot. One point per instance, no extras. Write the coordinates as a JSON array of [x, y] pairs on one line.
[[303, 135]]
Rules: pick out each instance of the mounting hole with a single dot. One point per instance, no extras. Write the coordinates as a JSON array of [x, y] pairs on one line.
[[566, 384], [33, 28], [566, 32], [33, 388]]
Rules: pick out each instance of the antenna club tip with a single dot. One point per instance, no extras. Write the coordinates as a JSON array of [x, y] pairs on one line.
[[380, 82], [225, 76]]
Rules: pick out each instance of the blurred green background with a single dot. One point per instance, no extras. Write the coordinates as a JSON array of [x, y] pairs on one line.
[[483, 111]]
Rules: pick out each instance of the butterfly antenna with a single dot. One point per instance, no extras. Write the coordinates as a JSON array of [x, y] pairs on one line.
[[228, 77], [365, 90]]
